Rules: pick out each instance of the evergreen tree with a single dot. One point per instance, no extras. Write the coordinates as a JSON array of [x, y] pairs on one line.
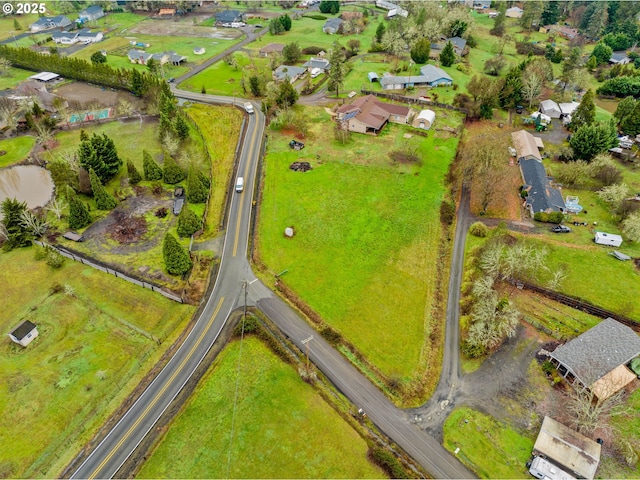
[[291, 53], [498, 23], [98, 57], [152, 170], [78, 212], [181, 127], [137, 83], [256, 85], [188, 222], [176, 258], [197, 191], [550, 14], [204, 180], [448, 55], [171, 172], [329, 6], [275, 27], [104, 200], [625, 107], [134, 174], [287, 94], [17, 235], [99, 153], [285, 20], [420, 51], [380, 32], [83, 135], [593, 139], [631, 123], [585, 114], [602, 53], [16, 24]]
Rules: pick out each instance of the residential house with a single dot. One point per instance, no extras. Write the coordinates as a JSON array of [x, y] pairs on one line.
[[562, 30], [435, 76], [481, 4], [459, 45], [45, 23], [24, 333], [393, 82], [91, 13], [542, 196], [271, 49], [550, 108], [284, 72], [65, 38], [425, 119], [392, 9], [575, 455], [597, 359], [332, 26], [619, 58], [87, 36], [142, 57], [229, 18], [369, 115], [320, 63], [514, 12]]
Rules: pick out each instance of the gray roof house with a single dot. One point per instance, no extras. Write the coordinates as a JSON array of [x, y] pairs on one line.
[[542, 196], [321, 63], [87, 36], [287, 71], [142, 57], [619, 58], [550, 108], [24, 333], [227, 17], [65, 38], [44, 23], [93, 12], [459, 44], [332, 26], [435, 76], [597, 358]]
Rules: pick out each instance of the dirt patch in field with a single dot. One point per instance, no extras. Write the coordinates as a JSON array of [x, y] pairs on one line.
[[183, 27], [92, 94], [128, 229]]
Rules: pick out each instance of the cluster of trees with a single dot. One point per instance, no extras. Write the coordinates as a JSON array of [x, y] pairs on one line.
[[592, 139], [173, 124], [78, 69], [329, 6], [99, 154], [280, 24], [620, 87], [628, 115]]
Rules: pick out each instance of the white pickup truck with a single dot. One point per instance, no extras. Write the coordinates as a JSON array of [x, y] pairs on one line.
[[248, 107]]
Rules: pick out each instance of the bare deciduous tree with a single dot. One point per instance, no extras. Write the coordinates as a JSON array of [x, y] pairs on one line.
[[590, 412]]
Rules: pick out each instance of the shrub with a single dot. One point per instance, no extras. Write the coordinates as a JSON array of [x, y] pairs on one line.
[[447, 212], [388, 462], [479, 229], [316, 17], [556, 217], [54, 259], [312, 50], [472, 350], [176, 258], [250, 324], [188, 222], [330, 335]]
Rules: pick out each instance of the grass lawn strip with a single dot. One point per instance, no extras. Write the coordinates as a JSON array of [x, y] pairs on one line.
[[17, 149], [282, 429], [487, 446], [86, 360], [361, 256]]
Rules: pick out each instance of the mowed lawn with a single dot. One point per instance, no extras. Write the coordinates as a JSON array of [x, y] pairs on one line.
[[12, 76], [366, 234], [487, 446], [17, 149], [96, 342], [279, 428]]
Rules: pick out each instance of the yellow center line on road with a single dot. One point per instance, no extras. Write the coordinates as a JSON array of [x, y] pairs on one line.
[[159, 394], [246, 172]]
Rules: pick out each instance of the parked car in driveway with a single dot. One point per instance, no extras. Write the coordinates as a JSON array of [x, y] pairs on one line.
[[560, 229]]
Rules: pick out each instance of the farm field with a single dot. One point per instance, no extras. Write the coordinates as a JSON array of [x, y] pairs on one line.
[[252, 416], [97, 339], [17, 149], [367, 234]]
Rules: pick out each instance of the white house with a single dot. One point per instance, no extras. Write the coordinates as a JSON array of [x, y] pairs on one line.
[[87, 36], [425, 119], [550, 108], [514, 12], [91, 13], [24, 333], [610, 239]]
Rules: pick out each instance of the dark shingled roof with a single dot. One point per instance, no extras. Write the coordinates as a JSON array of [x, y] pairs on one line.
[[598, 351], [541, 195], [23, 329]]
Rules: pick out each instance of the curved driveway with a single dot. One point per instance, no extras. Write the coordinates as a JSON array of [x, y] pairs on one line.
[[227, 294]]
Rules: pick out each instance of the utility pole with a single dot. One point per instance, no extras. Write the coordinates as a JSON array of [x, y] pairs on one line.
[[245, 301], [305, 342]]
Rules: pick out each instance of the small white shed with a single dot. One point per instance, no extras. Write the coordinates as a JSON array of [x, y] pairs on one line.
[[425, 119], [24, 333], [610, 239]]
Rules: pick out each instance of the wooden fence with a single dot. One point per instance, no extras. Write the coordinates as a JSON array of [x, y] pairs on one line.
[[78, 257], [412, 100]]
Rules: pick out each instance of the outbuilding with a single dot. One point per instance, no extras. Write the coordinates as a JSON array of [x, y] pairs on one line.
[[425, 119], [550, 108], [24, 333], [610, 239]]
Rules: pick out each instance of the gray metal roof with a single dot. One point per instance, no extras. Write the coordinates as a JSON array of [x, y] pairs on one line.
[[333, 23], [598, 351], [287, 71], [228, 16]]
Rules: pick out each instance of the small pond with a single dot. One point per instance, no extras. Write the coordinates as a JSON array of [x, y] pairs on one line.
[[26, 183]]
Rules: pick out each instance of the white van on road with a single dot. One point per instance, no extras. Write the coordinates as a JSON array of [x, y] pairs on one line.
[[239, 184]]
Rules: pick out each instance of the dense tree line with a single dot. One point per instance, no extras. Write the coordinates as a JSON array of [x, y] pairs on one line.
[[621, 87], [78, 69]]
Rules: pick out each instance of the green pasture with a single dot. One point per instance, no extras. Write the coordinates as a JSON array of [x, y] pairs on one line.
[[17, 149], [7, 27], [223, 79], [367, 233], [220, 127], [96, 341], [487, 446], [117, 23], [252, 416], [12, 76]]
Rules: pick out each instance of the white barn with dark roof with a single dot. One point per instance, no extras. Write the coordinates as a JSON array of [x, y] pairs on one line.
[[597, 359], [24, 333]]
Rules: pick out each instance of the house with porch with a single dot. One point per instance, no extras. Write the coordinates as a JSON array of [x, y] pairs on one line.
[[368, 115], [597, 359], [284, 72]]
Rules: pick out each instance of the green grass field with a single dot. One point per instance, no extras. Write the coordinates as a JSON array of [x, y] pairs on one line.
[[13, 76], [95, 344], [367, 233], [17, 149], [487, 446], [279, 427]]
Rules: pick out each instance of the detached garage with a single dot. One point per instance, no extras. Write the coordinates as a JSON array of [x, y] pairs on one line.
[[610, 239]]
